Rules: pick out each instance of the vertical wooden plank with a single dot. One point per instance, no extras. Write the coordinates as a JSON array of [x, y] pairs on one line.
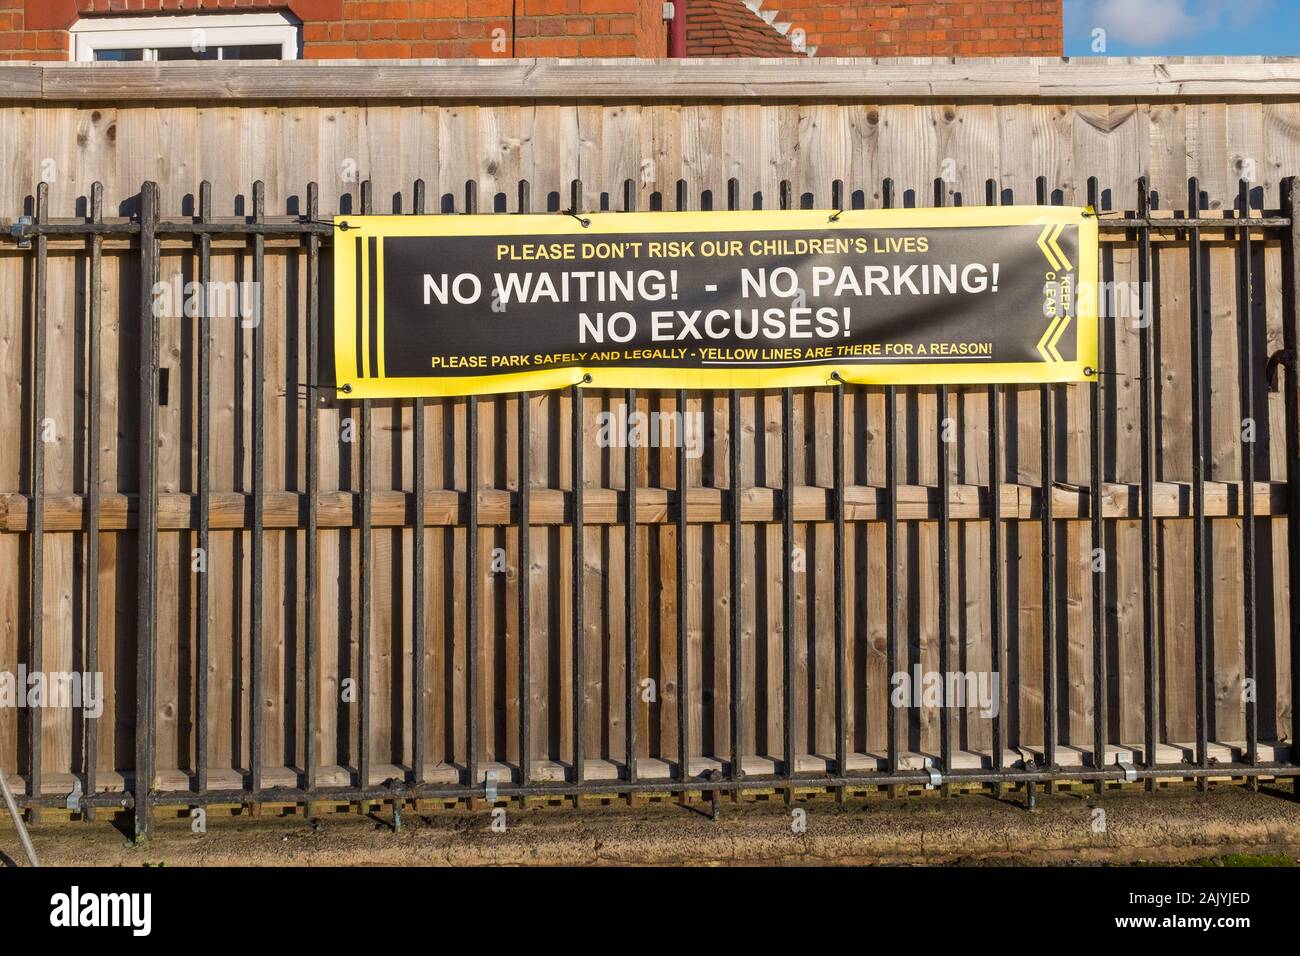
[[1023, 573], [1281, 158], [60, 431]]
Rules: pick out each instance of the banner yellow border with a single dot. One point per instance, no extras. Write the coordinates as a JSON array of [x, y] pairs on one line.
[[346, 277]]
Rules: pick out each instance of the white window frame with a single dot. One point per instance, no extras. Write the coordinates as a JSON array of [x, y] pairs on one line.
[[151, 34]]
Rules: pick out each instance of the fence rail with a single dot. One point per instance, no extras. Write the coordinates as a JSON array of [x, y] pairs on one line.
[[418, 648]]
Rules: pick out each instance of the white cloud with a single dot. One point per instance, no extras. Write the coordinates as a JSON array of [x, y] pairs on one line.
[[1147, 23]]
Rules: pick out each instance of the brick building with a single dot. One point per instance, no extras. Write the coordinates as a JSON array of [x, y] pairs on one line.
[[874, 28], [399, 29]]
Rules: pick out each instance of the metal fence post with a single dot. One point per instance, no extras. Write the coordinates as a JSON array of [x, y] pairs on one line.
[[631, 656], [1200, 531], [1147, 436], [94, 346], [312, 544], [1100, 696], [1291, 364], [365, 571], [1246, 338], [204, 323], [256, 562], [147, 572], [419, 749], [36, 601]]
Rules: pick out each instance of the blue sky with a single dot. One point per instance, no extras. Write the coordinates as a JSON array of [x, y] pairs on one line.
[[1183, 27]]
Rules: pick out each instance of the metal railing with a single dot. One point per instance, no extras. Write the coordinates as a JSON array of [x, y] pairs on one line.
[[148, 230]]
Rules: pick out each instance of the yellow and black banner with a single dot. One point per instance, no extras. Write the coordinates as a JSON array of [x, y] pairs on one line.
[[461, 305]]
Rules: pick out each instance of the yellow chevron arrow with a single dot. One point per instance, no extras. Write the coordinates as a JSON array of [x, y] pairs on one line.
[[1051, 249], [1060, 331], [1046, 250], [1042, 343], [1065, 263]]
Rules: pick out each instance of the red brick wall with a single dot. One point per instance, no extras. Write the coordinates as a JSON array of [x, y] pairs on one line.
[[651, 29], [340, 29], [926, 27], [17, 42], [483, 28], [37, 29]]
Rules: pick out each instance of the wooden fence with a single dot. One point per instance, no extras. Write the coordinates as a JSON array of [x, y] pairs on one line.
[[820, 687]]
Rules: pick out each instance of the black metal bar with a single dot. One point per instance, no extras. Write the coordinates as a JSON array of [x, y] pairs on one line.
[[259, 464], [682, 569], [837, 466], [205, 493], [36, 599], [471, 589], [996, 613], [94, 374], [279, 227], [683, 597], [1248, 520], [1047, 448], [1146, 432], [1199, 570], [577, 583], [1291, 406], [787, 583], [578, 571], [173, 228], [629, 610], [629, 559], [364, 576], [312, 544], [419, 748], [789, 756], [840, 583], [525, 578], [147, 557], [471, 556], [1099, 558], [891, 535], [942, 464], [124, 801], [734, 545], [524, 560]]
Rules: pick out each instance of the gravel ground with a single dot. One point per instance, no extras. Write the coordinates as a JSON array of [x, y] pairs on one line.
[[1173, 825]]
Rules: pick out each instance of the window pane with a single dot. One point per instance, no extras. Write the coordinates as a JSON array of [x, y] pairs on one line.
[[259, 51], [118, 56], [185, 53]]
